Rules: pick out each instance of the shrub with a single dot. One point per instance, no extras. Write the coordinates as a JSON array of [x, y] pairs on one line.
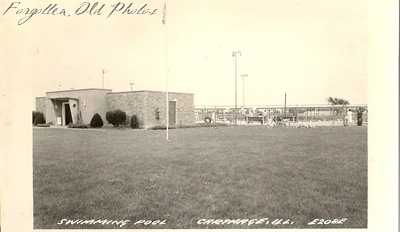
[[183, 126], [134, 122], [161, 127], [34, 115], [43, 125], [39, 119], [116, 117], [96, 121], [79, 126]]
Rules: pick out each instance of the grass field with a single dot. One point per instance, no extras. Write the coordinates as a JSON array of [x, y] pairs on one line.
[[232, 172]]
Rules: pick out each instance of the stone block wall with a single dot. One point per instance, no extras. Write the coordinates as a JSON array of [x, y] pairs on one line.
[[132, 103], [155, 101], [145, 104], [184, 108]]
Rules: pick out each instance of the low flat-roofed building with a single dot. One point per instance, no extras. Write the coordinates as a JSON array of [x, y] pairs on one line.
[[79, 106]]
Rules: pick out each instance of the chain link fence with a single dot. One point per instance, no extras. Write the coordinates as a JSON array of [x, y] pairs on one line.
[[304, 113]]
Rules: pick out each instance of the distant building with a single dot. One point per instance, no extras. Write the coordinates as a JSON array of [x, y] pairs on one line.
[[79, 105]]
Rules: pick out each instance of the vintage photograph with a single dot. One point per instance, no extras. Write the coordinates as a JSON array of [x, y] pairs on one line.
[[197, 114]]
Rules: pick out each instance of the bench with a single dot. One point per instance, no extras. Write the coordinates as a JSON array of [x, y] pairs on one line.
[[260, 119]]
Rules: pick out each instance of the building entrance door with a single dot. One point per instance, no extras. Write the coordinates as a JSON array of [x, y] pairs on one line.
[[66, 116]]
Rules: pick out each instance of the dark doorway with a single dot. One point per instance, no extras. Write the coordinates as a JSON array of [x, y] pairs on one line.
[[68, 116], [172, 112]]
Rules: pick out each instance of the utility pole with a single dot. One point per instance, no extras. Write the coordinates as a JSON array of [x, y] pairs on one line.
[[131, 84], [164, 20], [234, 54], [284, 114]]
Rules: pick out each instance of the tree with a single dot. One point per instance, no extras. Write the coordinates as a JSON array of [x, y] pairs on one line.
[[96, 121], [34, 115], [39, 119], [134, 122], [116, 117], [338, 101]]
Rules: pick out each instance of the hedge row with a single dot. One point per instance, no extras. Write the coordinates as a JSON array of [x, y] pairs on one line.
[[114, 117]]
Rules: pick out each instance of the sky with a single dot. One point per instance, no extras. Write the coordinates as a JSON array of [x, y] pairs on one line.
[[308, 49]]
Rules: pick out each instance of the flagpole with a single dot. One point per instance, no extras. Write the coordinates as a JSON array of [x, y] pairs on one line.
[[166, 70]]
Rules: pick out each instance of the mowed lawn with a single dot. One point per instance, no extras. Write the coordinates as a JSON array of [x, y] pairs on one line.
[[232, 172]]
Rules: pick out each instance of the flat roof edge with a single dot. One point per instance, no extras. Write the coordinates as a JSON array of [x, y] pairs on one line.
[[142, 91], [71, 90]]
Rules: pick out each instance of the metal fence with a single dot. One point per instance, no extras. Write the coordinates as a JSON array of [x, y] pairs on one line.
[[299, 113]]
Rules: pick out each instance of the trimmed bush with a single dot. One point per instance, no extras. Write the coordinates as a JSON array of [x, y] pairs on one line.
[[134, 122], [96, 121], [34, 115], [116, 117], [39, 119]]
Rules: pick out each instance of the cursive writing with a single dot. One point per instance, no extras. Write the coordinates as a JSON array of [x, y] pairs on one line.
[[121, 7], [28, 13], [85, 8]]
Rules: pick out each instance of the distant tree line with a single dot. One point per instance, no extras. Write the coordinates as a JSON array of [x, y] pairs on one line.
[[338, 101]]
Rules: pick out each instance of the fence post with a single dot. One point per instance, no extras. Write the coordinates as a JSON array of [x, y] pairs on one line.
[[344, 116]]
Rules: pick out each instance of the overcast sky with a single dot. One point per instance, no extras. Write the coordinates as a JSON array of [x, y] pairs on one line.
[[308, 49]]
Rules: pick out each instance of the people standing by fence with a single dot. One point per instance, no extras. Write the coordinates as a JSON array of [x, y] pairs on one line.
[[349, 118], [359, 116]]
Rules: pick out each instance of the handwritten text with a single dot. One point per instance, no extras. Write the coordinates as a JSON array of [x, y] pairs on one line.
[[85, 8]]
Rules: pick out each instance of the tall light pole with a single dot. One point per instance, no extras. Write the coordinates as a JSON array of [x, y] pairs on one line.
[[243, 76], [102, 78], [284, 114], [131, 84], [234, 54]]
